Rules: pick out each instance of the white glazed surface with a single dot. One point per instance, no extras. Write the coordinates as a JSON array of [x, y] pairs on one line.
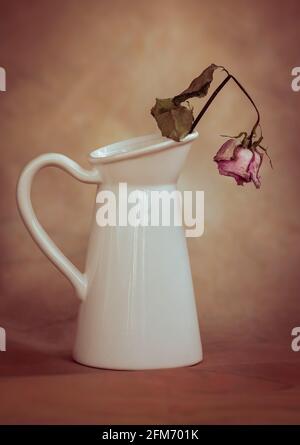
[[138, 308]]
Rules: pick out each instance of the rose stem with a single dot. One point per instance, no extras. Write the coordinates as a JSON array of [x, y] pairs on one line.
[[256, 109], [210, 100], [216, 92]]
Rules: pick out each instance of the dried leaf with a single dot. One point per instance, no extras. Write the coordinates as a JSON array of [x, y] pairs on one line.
[[161, 106], [174, 121], [199, 86]]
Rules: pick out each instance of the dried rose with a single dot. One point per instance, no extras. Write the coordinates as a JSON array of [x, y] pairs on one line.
[[239, 159], [240, 162]]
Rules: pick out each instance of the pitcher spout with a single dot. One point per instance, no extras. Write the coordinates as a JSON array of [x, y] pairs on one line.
[[144, 160]]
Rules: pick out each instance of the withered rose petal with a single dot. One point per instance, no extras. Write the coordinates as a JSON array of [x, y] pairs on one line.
[[223, 171], [237, 166], [254, 168], [238, 162], [226, 151]]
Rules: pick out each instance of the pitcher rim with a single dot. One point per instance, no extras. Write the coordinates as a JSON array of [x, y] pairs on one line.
[[136, 146]]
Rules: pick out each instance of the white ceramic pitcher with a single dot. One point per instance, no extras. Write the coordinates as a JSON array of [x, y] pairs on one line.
[[138, 308]]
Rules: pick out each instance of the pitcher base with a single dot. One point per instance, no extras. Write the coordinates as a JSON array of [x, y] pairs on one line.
[[137, 367]]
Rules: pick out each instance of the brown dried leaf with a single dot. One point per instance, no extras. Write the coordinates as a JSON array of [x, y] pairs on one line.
[[174, 121], [199, 86]]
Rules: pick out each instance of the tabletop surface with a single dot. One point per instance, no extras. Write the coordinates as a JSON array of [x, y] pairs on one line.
[[238, 382]]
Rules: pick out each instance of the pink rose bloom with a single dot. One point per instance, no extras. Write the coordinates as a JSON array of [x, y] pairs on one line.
[[239, 162]]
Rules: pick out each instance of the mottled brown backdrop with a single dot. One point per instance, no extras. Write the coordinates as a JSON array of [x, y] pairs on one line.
[[81, 74]]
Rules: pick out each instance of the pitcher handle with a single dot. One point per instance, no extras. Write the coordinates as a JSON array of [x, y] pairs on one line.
[[77, 279]]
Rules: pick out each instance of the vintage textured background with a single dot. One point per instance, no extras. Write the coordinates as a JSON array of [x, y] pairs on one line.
[[81, 74]]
